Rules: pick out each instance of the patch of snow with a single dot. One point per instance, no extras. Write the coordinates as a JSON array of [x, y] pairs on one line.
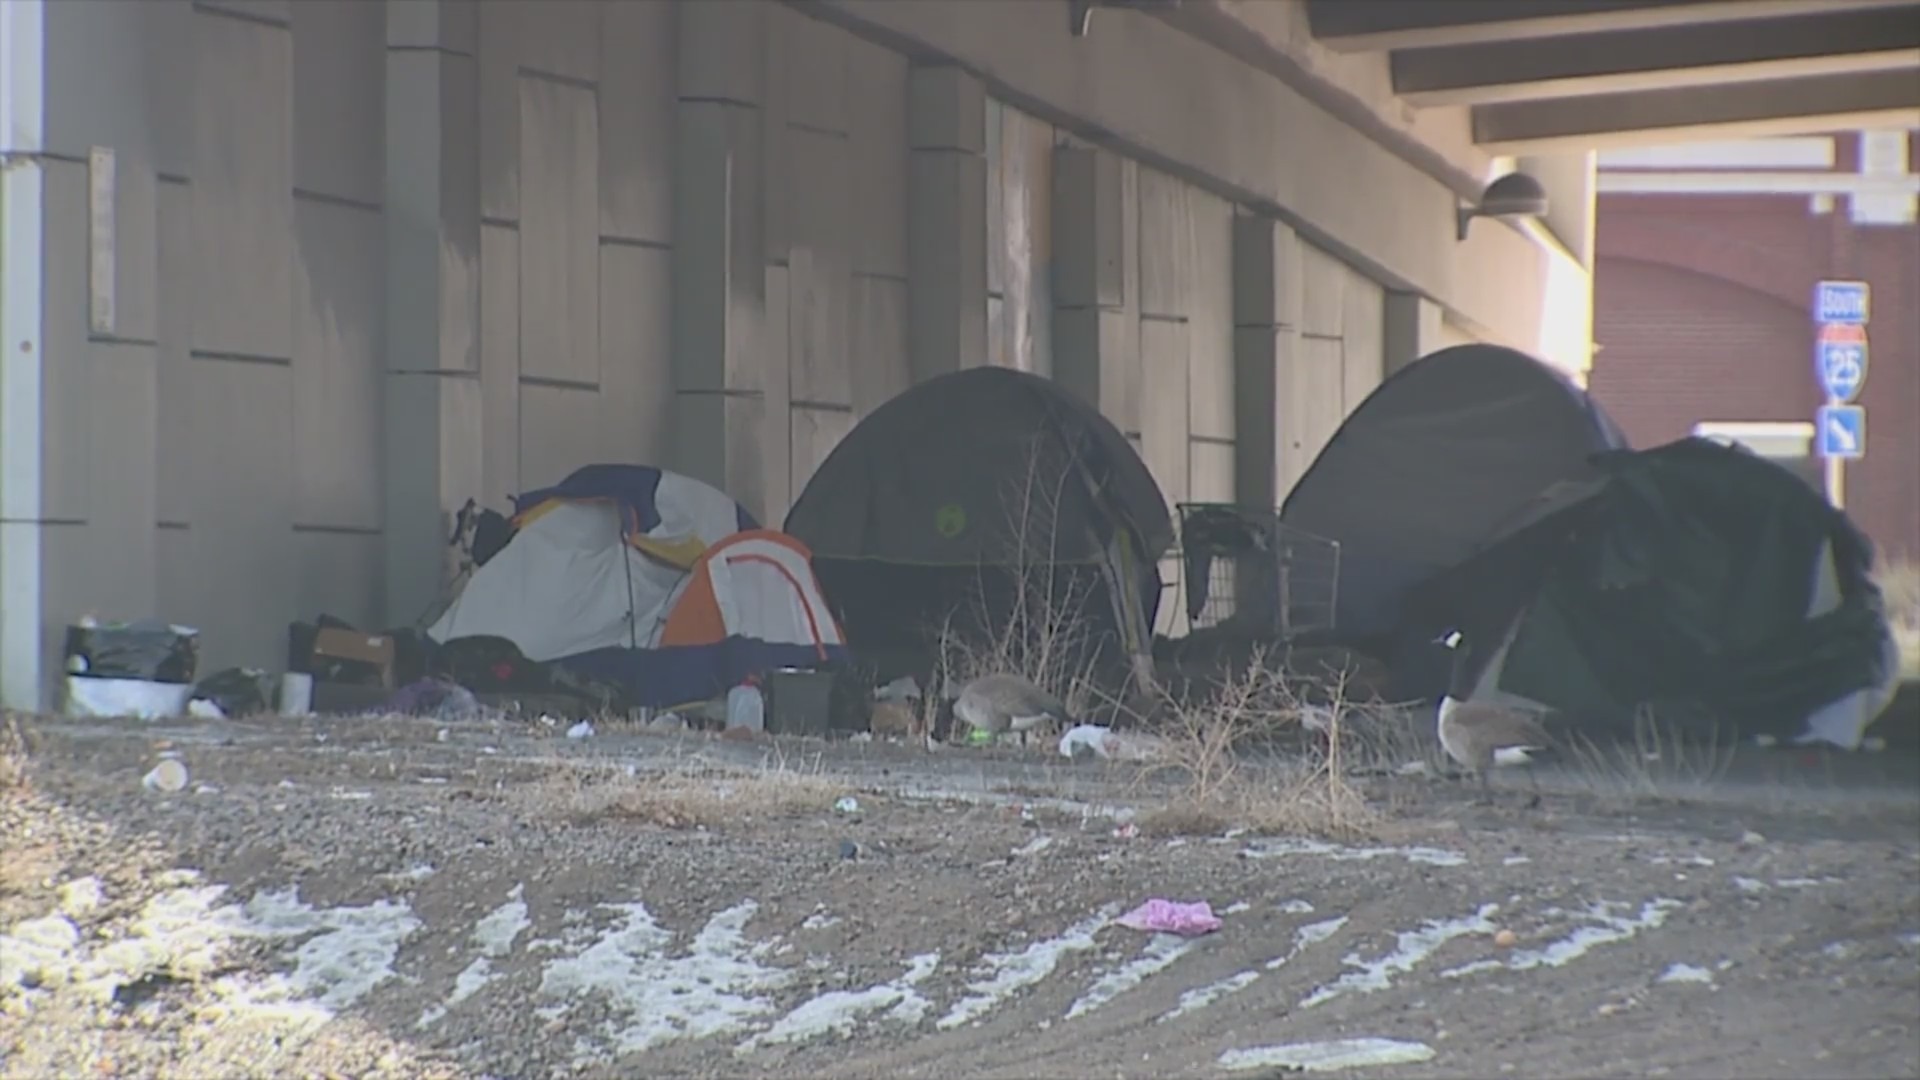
[[1161, 951], [36, 949], [1294, 907], [1515, 860], [1201, 997], [1804, 882], [1910, 940], [1274, 849], [353, 950], [494, 935], [1001, 975], [81, 896], [1685, 973], [1682, 860], [1840, 950], [1328, 1056], [655, 998], [1411, 947], [839, 1010], [1034, 846], [1604, 926], [1748, 885], [819, 920], [1236, 908]]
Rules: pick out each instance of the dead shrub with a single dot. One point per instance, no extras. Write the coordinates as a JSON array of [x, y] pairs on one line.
[[1210, 745], [1662, 761], [14, 757]]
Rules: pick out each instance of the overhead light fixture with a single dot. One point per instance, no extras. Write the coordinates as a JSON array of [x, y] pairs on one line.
[[1515, 195], [1080, 12]]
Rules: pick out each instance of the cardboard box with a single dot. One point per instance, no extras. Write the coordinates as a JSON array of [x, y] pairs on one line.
[[341, 655]]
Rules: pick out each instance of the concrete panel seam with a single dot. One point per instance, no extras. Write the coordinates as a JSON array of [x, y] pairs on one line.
[[253, 17], [501, 223], [710, 100], [42, 521], [610, 240], [442, 49], [445, 373], [556, 78], [335, 530], [727, 392], [1213, 440], [119, 339], [1149, 316], [306, 195], [815, 129], [821, 406], [560, 383], [239, 358], [872, 275]]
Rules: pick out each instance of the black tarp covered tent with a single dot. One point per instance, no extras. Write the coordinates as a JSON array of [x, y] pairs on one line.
[[1440, 458], [949, 499], [1694, 577]]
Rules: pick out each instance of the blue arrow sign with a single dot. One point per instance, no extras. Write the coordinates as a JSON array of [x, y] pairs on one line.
[[1843, 302], [1843, 431], [1842, 368]]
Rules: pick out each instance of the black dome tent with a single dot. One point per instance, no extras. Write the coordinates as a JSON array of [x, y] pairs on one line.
[[1698, 579], [932, 510], [1440, 458]]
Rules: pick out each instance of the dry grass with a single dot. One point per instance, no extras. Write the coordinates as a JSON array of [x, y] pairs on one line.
[[14, 758], [1900, 590], [685, 797], [1208, 745], [1662, 761]]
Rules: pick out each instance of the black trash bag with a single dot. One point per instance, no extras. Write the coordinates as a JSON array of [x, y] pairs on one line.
[[147, 649], [492, 665], [237, 691]]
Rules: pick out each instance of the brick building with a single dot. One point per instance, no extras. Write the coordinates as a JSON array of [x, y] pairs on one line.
[[1706, 259]]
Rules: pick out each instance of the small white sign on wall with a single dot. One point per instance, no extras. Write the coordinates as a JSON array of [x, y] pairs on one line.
[[101, 262]]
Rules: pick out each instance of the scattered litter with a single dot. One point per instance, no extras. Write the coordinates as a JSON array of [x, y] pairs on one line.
[[1236, 908], [849, 849], [1414, 768], [349, 796], [1095, 740], [1172, 917], [1295, 906], [1505, 939], [667, 722], [819, 920], [169, 776], [1748, 885], [205, 789], [1127, 831], [442, 699], [581, 730], [1750, 838], [1328, 1056], [847, 804], [1515, 860], [1685, 973], [441, 735], [1033, 847], [89, 696], [202, 709]]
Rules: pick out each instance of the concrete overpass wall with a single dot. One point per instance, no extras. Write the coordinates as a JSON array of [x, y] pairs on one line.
[[352, 264]]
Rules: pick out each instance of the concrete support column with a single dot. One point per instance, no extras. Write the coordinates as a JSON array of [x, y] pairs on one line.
[[946, 221], [1096, 348], [22, 187], [1412, 329], [731, 404], [1266, 317], [432, 193]]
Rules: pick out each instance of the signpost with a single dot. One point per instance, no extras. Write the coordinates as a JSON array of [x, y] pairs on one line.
[[1840, 311]]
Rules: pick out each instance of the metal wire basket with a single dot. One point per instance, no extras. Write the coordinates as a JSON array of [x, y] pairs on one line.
[[1244, 572]]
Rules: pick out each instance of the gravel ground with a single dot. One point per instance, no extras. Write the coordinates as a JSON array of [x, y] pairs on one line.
[[396, 899]]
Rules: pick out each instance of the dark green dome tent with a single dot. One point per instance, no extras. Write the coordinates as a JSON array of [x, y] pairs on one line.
[[949, 503], [1697, 578]]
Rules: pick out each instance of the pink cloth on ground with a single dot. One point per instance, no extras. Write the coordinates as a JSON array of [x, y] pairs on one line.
[[1172, 917]]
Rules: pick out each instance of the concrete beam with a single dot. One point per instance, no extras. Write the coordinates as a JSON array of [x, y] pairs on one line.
[[1267, 296], [1739, 110], [1374, 25], [1707, 54], [946, 220]]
